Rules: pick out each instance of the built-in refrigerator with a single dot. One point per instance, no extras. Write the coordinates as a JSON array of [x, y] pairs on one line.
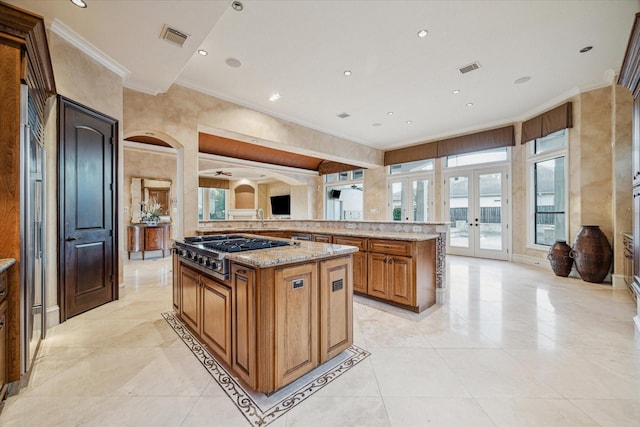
[[32, 208]]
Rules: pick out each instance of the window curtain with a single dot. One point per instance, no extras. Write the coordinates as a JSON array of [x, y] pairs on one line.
[[485, 140], [547, 123]]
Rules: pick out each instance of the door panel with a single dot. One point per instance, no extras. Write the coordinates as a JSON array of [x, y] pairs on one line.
[[477, 210], [410, 199], [87, 212]]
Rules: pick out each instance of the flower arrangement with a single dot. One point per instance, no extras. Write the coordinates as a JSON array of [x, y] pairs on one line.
[[150, 211]]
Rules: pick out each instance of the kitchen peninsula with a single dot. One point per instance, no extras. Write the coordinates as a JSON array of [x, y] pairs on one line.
[[402, 264], [271, 310]]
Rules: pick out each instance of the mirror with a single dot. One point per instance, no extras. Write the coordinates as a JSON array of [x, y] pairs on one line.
[[150, 190]]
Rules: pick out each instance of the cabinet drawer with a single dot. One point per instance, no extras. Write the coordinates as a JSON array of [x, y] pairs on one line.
[[359, 242], [393, 247], [3, 285]]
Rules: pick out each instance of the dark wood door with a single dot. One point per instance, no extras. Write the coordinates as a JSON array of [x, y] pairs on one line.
[[87, 208]]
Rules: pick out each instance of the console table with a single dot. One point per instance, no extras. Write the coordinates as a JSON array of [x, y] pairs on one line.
[[144, 238]]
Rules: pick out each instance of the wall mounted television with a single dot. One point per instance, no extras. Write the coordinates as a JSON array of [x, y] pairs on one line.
[[281, 205]]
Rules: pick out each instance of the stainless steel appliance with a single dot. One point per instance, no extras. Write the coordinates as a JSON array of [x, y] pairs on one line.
[[209, 252], [32, 207]]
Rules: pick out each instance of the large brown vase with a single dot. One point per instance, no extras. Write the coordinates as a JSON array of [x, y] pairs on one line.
[[592, 254], [561, 262]]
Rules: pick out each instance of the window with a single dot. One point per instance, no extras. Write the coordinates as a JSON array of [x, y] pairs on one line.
[[343, 195], [477, 157], [548, 170], [211, 204], [410, 193], [409, 167]]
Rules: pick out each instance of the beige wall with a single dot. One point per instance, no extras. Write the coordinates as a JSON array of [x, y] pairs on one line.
[[86, 82], [151, 165]]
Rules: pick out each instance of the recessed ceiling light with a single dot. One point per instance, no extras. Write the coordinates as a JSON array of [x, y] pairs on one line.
[[390, 113], [274, 97], [233, 62], [455, 91], [469, 104], [347, 73], [423, 33], [237, 6], [202, 52], [586, 49], [79, 3], [409, 122], [522, 79]]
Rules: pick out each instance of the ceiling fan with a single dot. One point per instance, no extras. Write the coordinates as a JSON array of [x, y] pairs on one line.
[[218, 173]]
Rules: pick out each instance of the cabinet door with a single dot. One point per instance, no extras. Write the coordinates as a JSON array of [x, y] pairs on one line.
[[3, 347], [176, 284], [336, 307], [296, 322], [243, 281], [322, 238], [153, 238], [360, 272], [190, 297], [377, 278], [400, 278], [216, 318]]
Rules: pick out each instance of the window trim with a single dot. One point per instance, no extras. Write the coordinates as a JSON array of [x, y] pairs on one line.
[[532, 160]]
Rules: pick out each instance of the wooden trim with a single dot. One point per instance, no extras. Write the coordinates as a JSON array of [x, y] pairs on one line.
[[547, 123], [205, 182], [327, 167], [630, 70], [428, 150], [495, 138]]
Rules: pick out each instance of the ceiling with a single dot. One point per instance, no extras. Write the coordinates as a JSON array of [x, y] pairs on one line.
[[301, 49]]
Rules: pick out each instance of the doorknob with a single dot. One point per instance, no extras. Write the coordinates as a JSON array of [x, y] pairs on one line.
[[71, 238]]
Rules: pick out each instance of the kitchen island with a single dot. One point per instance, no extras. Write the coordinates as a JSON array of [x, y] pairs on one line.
[[278, 314], [402, 264]]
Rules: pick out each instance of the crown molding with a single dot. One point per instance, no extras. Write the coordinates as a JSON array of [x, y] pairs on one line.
[[62, 30]]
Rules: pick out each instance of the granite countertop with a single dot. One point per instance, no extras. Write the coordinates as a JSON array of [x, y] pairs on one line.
[[5, 263], [395, 235], [298, 252]]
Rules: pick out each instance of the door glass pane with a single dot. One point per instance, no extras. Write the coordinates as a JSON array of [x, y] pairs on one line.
[[397, 201], [458, 208], [420, 206], [490, 221]]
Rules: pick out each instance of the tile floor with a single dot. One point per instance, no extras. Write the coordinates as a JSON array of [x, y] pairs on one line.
[[516, 346]]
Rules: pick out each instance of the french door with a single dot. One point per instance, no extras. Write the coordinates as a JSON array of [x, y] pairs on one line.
[[476, 204], [410, 199]]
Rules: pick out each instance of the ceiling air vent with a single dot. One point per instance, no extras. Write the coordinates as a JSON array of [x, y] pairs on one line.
[[343, 115], [468, 68], [173, 36]]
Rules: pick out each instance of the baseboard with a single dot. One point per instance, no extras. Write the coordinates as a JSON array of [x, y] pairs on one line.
[[617, 281], [53, 316], [529, 260]]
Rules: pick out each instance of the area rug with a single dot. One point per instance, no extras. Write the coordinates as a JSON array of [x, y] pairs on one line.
[[260, 409]]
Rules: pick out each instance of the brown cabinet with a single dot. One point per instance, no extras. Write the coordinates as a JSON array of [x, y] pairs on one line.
[[322, 238], [206, 309], [144, 238], [336, 302], [296, 322], [215, 325], [630, 78], [24, 58], [4, 371], [360, 263], [243, 286]]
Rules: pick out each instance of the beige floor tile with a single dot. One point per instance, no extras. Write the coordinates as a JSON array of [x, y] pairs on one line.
[[339, 412], [611, 413], [435, 412], [514, 345], [535, 413]]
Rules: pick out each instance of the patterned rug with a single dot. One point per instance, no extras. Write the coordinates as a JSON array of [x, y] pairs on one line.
[[260, 409]]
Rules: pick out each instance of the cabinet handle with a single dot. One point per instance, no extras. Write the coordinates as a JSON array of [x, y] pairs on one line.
[[1, 323], [242, 271]]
